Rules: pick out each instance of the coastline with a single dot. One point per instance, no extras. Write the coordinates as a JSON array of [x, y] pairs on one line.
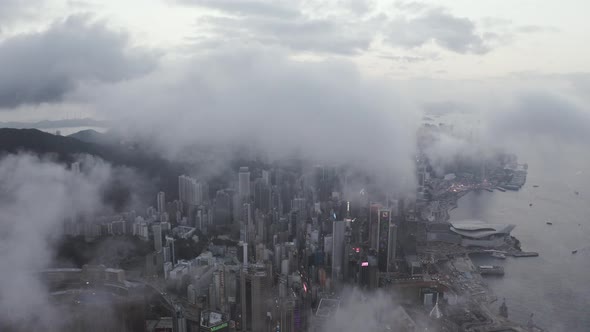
[[475, 288]]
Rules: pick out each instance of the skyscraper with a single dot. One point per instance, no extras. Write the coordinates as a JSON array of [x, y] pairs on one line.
[[244, 183], [161, 202], [299, 204], [246, 216], [223, 204], [170, 245], [391, 247], [254, 285], [383, 222], [374, 225], [192, 192], [261, 195], [337, 249], [157, 230], [266, 177]]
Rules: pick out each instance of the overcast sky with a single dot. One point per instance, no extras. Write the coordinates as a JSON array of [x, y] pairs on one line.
[[453, 38], [100, 58]]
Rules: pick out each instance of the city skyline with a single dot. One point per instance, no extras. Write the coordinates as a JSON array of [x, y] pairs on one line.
[[294, 165]]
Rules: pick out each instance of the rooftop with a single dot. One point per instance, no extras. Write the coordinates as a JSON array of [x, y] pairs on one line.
[[211, 318], [327, 308], [478, 229]]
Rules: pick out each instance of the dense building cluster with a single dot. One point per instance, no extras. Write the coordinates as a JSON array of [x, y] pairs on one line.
[[281, 245]]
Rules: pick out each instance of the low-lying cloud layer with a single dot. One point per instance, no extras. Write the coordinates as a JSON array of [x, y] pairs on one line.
[[372, 311], [36, 195], [545, 115], [324, 112]]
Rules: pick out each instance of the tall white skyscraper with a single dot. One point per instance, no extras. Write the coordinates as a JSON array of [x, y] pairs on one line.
[[161, 202], [244, 183]]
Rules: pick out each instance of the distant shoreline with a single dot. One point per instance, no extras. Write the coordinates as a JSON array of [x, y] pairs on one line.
[[66, 131], [49, 124]]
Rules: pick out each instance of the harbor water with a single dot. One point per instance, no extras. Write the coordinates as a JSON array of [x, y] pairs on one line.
[[554, 286]]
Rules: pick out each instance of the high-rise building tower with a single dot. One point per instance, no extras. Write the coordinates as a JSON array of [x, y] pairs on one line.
[[223, 205], [161, 202], [254, 285], [391, 247], [157, 230], [246, 215], [191, 191], [170, 246], [374, 225], [299, 204], [338, 228], [266, 177], [261, 195], [244, 183], [383, 222]]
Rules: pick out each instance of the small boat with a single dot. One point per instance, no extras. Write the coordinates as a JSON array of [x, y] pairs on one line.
[[498, 255], [577, 193], [549, 223], [574, 251], [535, 186], [530, 204]]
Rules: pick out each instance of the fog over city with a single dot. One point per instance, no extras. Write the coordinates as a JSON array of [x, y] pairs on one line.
[[231, 161], [37, 195]]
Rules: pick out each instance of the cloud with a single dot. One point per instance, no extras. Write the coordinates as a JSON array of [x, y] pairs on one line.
[[542, 115], [536, 29], [290, 24], [580, 82], [444, 108], [43, 67], [15, 9], [259, 8], [324, 111], [457, 34], [300, 34], [36, 196], [359, 7], [373, 311], [411, 6], [410, 58]]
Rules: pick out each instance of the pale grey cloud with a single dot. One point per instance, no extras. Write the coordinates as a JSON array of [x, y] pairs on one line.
[[536, 29], [457, 34], [581, 83], [36, 196], [323, 111], [542, 114], [411, 6], [300, 34], [278, 9], [289, 24], [359, 7], [43, 67], [13, 9], [410, 58]]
